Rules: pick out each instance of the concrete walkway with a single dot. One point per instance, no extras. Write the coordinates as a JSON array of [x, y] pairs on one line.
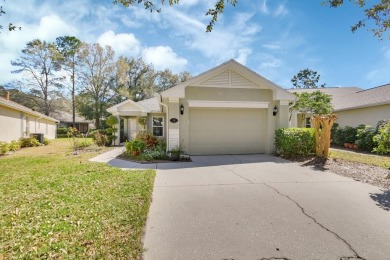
[[110, 158]]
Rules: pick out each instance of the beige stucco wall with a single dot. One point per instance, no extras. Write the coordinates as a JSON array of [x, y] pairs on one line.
[[15, 124], [228, 94], [224, 94], [11, 127], [367, 116]]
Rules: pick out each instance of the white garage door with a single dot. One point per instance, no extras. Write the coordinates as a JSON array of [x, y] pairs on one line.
[[227, 131]]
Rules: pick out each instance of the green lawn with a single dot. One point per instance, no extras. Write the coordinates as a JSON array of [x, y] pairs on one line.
[[56, 205], [381, 161]]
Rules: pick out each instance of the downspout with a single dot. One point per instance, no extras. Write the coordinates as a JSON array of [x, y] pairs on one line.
[[167, 122]]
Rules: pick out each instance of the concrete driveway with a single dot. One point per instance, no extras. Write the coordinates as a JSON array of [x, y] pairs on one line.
[[263, 207]]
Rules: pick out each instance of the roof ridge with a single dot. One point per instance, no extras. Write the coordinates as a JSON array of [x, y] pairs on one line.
[[381, 86]]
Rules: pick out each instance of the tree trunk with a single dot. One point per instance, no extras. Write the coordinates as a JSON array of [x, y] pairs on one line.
[[322, 126], [73, 98]]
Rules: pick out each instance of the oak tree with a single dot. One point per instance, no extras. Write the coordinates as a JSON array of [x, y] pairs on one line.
[[39, 63]]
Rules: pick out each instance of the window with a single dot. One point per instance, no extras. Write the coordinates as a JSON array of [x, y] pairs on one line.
[[158, 126], [308, 122]]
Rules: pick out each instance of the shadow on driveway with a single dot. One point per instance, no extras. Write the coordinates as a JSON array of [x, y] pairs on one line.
[[382, 199]]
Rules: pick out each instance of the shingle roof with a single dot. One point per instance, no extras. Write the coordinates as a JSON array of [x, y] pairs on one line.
[[345, 98], [67, 117], [19, 107], [366, 98], [152, 104]]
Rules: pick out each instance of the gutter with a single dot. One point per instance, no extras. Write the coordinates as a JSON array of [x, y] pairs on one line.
[[167, 139]]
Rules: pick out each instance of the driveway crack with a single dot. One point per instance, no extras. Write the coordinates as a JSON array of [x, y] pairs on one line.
[[356, 255], [235, 173]]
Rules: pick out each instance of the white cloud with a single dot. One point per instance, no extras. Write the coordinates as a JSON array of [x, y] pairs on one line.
[[281, 11], [269, 61], [11, 43], [264, 7], [163, 57], [243, 55], [222, 43], [122, 43], [272, 46]]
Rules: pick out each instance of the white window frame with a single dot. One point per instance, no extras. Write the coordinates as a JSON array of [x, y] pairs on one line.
[[308, 125], [162, 122]]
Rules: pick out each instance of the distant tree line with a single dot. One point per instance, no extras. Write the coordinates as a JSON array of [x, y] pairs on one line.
[[75, 76]]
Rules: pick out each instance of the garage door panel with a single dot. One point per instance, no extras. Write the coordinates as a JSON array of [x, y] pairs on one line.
[[227, 131]]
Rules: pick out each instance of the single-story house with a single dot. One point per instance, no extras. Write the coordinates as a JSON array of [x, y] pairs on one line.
[[66, 120], [18, 121], [228, 109], [354, 106]]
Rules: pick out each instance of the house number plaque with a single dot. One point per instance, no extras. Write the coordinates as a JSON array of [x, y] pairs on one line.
[[174, 120]]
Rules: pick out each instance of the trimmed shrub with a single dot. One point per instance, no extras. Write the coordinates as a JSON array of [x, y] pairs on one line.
[[382, 139], [62, 131], [345, 135], [364, 138], [4, 148], [29, 142], [295, 142], [333, 131], [14, 146]]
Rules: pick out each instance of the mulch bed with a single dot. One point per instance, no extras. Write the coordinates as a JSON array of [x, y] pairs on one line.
[[374, 175], [126, 157]]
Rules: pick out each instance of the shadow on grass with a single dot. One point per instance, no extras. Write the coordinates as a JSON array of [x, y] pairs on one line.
[[382, 199]]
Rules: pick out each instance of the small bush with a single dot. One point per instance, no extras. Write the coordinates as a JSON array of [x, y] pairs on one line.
[[14, 146], [155, 153], [4, 148], [62, 136], [83, 143], [382, 139], [295, 142], [364, 138], [100, 138], [333, 131], [135, 147], [46, 141], [29, 142], [345, 135], [380, 124], [62, 131], [150, 140]]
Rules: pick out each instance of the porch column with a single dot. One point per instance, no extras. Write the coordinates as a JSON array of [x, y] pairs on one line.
[[173, 132], [118, 132]]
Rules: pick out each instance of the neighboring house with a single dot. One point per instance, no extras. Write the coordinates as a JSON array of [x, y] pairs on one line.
[[229, 109], [354, 106], [66, 120], [19, 121]]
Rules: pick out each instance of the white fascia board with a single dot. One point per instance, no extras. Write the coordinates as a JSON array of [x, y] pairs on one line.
[[226, 104]]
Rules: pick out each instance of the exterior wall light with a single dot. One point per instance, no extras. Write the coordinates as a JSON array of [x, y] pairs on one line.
[[181, 109], [275, 111]]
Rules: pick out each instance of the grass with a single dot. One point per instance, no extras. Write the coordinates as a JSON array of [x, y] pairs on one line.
[[381, 161], [56, 205]]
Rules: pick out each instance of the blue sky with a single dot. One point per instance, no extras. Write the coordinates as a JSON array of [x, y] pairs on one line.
[[275, 38]]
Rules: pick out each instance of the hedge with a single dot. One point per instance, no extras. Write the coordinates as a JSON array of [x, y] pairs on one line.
[[295, 142]]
